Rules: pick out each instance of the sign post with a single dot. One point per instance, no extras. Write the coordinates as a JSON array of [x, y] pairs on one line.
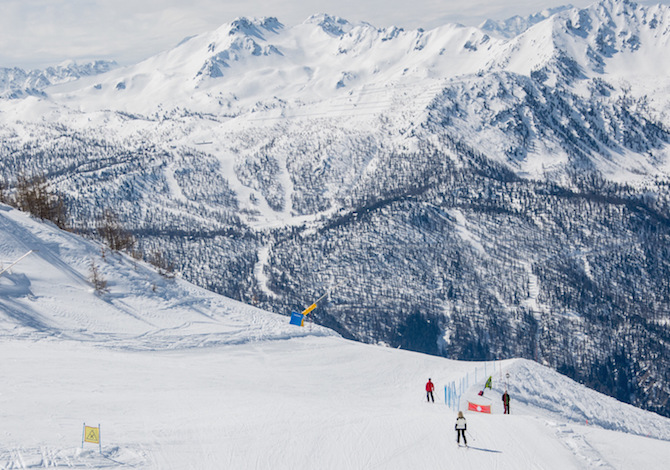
[[92, 435], [14, 263], [299, 318]]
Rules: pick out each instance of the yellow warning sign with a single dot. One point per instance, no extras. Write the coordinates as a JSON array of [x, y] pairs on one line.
[[92, 434]]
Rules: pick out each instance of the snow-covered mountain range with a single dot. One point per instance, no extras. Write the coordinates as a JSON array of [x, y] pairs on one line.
[[516, 25], [17, 83], [536, 102], [174, 376], [473, 195]]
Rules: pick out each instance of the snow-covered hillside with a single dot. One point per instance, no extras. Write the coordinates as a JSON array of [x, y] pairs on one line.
[[50, 294], [474, 197], [179, 378]]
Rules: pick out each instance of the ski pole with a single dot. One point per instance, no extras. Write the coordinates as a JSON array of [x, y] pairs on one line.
[[471, 436]]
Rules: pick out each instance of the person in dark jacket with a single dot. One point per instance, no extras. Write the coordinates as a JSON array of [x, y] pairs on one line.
[[461, 426], [505, 400], [430, 387]]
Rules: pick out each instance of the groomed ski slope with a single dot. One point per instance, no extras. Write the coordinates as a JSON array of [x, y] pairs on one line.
[[179, 378]]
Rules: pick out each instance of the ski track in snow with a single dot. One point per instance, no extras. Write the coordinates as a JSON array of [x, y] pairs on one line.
[[578, 444], [175, 190], [259, 273], [465, 233]]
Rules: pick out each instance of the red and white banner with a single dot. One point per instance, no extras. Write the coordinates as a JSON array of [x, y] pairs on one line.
[[479, 408]]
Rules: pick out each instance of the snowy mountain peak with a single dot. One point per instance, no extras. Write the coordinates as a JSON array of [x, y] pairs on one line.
[[610, 37], [620, 36], [254, 26], [608, 22], [333, 25], [516, 25], [242, 38]]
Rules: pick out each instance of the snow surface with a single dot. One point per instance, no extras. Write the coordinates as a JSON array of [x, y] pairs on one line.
[[180, 378]]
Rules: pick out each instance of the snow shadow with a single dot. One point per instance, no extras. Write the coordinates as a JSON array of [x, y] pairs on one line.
[[493, 451]]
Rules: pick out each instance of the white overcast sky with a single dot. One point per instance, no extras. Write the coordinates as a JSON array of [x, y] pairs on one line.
[[37, 33]]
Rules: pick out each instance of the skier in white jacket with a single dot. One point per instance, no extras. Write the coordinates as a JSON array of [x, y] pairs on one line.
[[461, 426]]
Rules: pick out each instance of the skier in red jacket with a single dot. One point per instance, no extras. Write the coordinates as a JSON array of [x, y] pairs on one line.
[[505, 400], [430, 387]]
